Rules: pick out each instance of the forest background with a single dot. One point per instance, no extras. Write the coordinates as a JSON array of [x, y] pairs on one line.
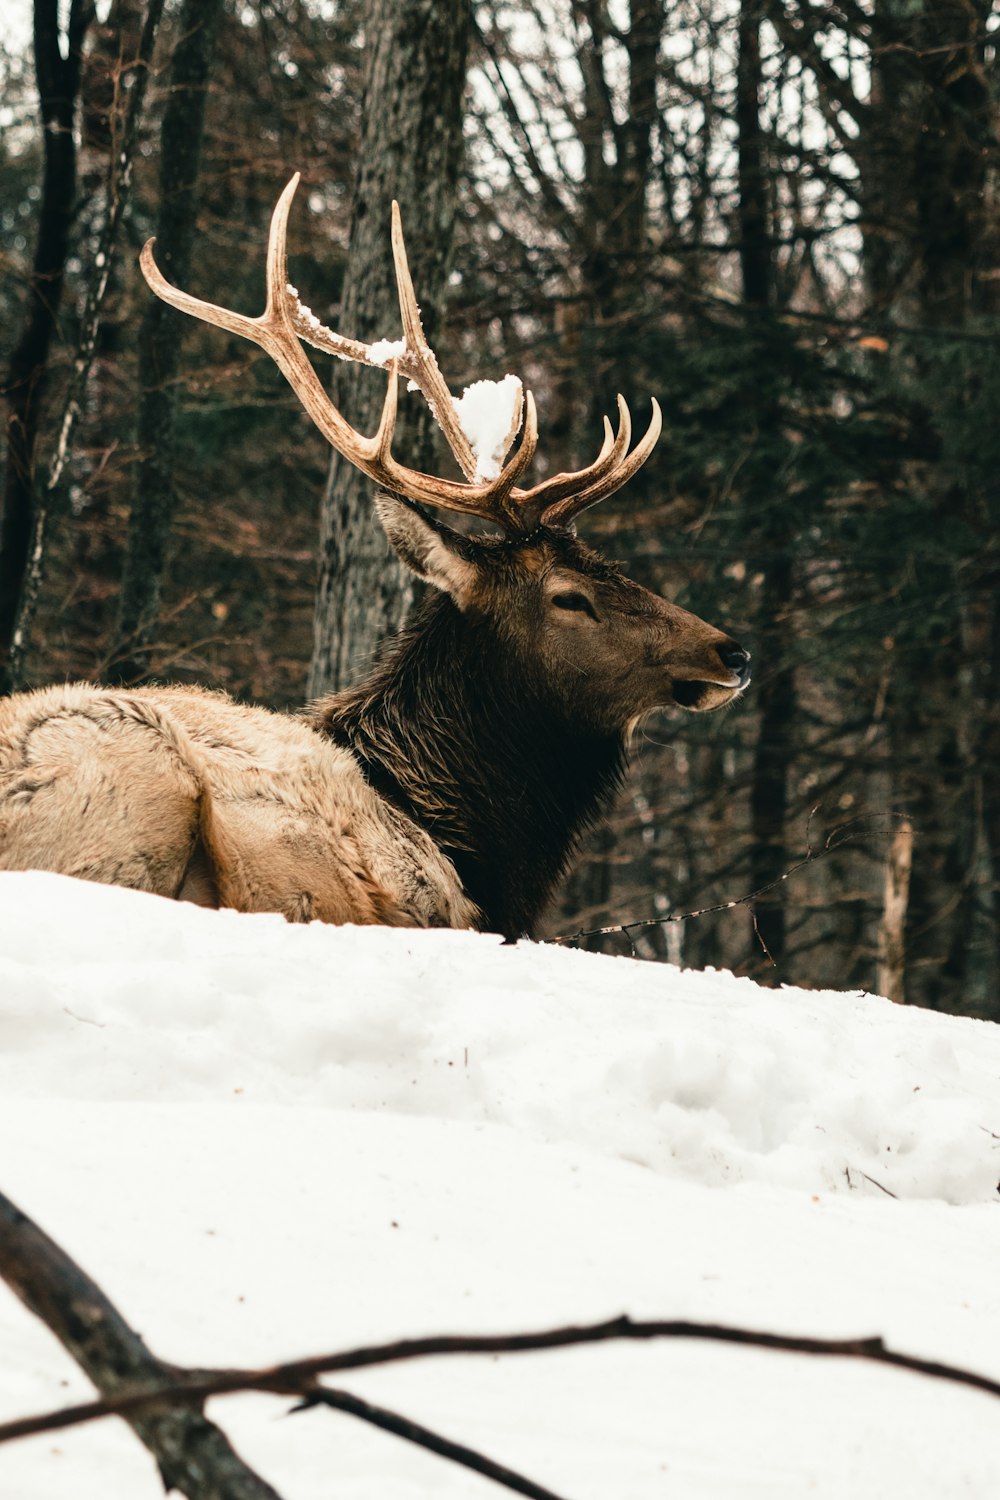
[[782, 220]]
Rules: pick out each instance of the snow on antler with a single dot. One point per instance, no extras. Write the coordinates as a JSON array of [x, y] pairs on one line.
[[489, 412]]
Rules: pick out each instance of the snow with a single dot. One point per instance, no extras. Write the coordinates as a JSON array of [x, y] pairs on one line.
[[266, 1141], [384, 350], [489, 413], [304, 317]]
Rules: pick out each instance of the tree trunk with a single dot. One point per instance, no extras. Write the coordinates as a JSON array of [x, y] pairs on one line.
[[891, 980], [160, 338], [411, 150], [775, 687], [933, 103], [610, 258], [58, 90], [46, 498]]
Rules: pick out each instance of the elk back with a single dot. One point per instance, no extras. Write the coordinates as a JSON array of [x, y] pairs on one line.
[[189, 795]]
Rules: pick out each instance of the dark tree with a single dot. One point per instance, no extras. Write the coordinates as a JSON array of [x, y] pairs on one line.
[[411, 150], [58, 94], [160, 339], [767, 519]]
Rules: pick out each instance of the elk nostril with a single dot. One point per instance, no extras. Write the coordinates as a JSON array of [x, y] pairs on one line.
[[733, 656]]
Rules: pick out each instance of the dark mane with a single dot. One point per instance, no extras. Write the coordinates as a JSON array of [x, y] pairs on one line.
[[456, 727]]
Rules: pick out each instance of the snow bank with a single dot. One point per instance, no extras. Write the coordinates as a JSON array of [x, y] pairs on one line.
[[267, 1140], [695, 1075]]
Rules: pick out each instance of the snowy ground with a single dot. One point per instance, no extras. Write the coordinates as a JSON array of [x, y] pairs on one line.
[[266, 1141]]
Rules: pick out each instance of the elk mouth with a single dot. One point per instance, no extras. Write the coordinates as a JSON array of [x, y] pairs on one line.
[[701, 695]]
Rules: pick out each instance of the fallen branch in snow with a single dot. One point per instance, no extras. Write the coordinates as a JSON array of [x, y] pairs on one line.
[[297, 1376], [403, 1427], [834, 840], [192, 1454]]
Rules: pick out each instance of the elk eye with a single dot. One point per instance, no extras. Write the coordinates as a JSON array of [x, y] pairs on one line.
[[575, 602]]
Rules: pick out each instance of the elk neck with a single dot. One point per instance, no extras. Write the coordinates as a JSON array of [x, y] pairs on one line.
[[462, 735]]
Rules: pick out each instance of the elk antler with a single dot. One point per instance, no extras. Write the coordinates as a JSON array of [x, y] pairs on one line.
[[284, 322]]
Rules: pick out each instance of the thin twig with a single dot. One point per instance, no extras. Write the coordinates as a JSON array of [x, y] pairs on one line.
[[836, 839], [413, 1432], [293, 1377]]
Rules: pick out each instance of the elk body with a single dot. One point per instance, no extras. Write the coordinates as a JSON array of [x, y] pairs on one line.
[[450, 786]]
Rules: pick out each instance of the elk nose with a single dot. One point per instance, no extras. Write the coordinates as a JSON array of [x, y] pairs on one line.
[[735, 658]]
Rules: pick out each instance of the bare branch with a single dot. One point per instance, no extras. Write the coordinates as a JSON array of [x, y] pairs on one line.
[[193, 1455], [297, 1376], [413, 1432], [836, 839]]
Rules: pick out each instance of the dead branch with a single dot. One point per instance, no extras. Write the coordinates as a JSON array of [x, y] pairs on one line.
[[413, 1432], [192, 1454], [844, 833], [296, 1377]]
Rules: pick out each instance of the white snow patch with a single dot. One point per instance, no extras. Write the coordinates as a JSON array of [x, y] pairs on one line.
[[489, 413], [303, 313], [266, 1140], [383, 350]]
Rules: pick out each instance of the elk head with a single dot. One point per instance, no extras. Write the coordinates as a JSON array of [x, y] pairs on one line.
[[580, 635], [598, 645]]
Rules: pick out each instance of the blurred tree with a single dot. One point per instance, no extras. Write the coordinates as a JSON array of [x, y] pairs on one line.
[[58, 77], [160, 340], [934, 100], [48, 498], [411, 151]]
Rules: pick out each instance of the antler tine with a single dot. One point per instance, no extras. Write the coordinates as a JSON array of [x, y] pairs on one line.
[[509, 502], [612, 451], [422, 364], [387, 421], [564, 510], [278, 330], [276, 267], [489, 501]]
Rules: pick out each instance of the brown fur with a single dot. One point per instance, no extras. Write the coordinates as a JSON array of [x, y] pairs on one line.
[[190, 795]]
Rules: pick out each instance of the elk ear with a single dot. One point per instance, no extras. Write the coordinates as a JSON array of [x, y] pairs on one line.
[[434, 552]]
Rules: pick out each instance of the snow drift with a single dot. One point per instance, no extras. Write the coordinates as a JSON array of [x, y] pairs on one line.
[[266, 1140]]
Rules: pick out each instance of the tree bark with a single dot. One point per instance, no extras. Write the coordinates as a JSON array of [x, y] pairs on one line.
[[160, 340], [411, 150], [611, 242], [933, 104], [58, 91], [775, 687], [46, 498], [891, 980]]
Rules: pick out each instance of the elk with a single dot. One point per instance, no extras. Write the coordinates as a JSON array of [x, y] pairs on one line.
[[450, 786]]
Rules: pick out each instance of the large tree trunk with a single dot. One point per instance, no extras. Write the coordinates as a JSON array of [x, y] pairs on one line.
[[160, 337], [411, 150], [58, 91], [775, 688], [616, 875], [957, 135], [931, 96]]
